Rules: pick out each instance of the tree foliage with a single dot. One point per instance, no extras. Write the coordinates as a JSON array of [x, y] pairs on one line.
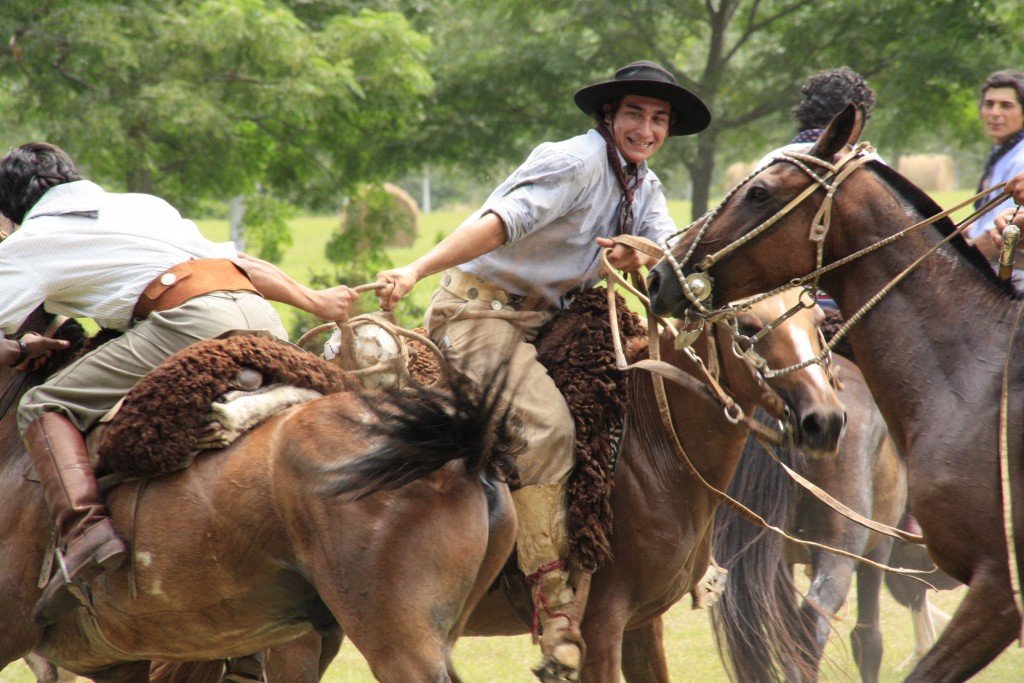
[[195, 99], [509, 82]]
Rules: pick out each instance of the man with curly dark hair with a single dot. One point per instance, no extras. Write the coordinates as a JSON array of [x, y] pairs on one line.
[[826, 93]]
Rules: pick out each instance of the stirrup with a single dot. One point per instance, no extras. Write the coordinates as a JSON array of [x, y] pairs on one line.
[[60, 596]]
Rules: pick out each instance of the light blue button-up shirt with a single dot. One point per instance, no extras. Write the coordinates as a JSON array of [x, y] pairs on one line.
[[554, 206], [1003, 170]]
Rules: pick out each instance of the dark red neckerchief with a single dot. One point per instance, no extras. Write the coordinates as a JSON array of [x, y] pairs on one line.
[[624, 222]]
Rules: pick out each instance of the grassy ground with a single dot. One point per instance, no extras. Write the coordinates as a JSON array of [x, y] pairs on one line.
[[689, 643], [690, 648]]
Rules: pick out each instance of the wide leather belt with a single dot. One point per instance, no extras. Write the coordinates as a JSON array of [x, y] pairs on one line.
[[188, 280], [474, 288]]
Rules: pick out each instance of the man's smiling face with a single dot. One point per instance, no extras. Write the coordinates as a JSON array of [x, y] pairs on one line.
[[1001, 113], [639, 127]]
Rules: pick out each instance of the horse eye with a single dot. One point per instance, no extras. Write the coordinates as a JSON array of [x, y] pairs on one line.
[[756, 193], [747, 330]]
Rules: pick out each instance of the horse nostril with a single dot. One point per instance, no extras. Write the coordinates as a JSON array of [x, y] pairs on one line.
[[653, 280], [810, 427]]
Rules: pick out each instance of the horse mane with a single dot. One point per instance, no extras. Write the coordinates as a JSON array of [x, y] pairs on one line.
[[924, 205], [760, 645]]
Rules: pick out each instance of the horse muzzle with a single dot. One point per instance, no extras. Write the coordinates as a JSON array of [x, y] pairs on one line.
[[666, 290], [818, 431]]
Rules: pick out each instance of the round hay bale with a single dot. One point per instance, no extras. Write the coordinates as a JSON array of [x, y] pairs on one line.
[[930, 172], [734, 173], [403, 209]]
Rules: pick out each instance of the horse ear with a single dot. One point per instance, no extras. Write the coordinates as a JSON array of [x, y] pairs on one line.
[[843, 130]]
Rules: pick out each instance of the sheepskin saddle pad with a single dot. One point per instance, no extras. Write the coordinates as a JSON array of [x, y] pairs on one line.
[[205, 396], [577, 349]]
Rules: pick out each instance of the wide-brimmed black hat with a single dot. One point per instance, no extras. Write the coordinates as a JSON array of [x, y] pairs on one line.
[[647, 79]]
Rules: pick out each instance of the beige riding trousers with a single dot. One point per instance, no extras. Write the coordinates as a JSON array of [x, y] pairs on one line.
[[480, 338], [88, 388]]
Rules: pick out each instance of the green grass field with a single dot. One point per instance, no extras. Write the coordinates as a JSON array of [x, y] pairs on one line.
[[690, 646]]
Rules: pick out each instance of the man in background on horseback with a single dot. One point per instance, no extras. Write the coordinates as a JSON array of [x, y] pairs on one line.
[[1002, 113], [521, 257], [133, 264]]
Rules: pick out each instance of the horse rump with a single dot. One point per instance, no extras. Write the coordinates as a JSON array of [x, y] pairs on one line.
[[419, 430]]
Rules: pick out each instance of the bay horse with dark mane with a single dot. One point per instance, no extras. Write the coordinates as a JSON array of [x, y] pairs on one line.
[[237, 553], [663, 518], [937, 345]]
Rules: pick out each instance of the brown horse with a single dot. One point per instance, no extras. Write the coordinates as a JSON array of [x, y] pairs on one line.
[[758, 623], [932, 351], [661, 540], [238, 553]]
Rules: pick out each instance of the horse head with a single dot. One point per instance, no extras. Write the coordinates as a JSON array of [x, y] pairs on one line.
[[779, 208], [812, 410]]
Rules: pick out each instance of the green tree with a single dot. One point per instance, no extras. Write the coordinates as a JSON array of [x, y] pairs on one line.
[[199, 99], [505, 77]]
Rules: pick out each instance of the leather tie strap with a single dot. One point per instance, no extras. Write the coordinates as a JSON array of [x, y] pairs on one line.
[[188, 280]]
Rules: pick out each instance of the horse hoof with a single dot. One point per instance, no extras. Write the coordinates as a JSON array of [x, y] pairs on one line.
[[553, 671]]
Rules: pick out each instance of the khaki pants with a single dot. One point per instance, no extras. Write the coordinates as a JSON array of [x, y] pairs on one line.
[[479, 340], [88, 388]]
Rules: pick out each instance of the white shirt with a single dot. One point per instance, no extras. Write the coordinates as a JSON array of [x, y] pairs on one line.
[[554, 206], [84, 252]]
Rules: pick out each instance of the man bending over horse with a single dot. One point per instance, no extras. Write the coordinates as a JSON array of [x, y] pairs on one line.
[[132, 263], [523, 255]]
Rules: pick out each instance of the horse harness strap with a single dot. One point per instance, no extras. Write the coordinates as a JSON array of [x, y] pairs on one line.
[[819, 230], [660, 371]]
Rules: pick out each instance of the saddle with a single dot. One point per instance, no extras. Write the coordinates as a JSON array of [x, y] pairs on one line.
[[165, 419]]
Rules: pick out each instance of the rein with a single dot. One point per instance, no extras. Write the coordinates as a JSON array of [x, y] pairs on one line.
[[660, 371]]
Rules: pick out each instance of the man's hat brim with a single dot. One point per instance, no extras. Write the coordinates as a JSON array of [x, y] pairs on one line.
[[692, 115]]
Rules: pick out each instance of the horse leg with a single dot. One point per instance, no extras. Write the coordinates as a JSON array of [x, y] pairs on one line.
[[45, 671], [830, 584], [643, 653], [298, 661], [866, 637], [984, 624], [602, 630]]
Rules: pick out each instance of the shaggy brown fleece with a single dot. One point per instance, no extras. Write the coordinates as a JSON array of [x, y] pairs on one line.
[[576, 348], [833, 321], [144, 441], [423, 365]]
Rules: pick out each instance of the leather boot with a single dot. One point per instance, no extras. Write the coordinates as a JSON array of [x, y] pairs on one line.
[[89, 543], [542, 545]]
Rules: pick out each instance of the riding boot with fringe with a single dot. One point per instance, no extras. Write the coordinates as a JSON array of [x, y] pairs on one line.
[[89, 543], [543, 546]]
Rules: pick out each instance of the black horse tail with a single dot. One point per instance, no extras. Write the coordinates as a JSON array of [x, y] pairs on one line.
[[755, 619], [417, 431]]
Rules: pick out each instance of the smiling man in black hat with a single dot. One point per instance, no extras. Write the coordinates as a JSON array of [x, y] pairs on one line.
[[523, 255]]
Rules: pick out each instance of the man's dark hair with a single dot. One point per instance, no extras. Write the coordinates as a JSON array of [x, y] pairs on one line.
[[27, 172], [1007, 78], [827, 93]]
